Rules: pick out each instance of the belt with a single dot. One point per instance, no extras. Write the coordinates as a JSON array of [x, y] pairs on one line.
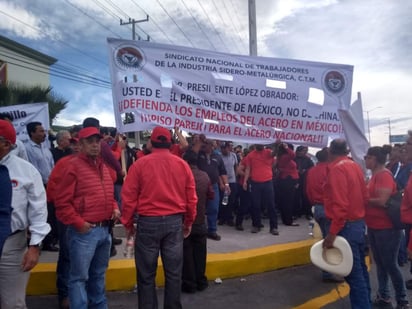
[[16, 232], [102, 223]]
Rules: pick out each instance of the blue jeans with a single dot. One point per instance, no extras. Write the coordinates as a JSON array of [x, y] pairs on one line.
[[162, 234], [324, 223], [212, 210], [63, 263], [385, 245], [89, 258], [358, 279], [263, 192]]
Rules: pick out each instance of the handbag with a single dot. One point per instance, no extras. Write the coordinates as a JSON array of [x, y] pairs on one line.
[[393, 210]]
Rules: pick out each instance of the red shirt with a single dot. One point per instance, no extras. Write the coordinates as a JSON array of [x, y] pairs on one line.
[[406, 206], [376, 217], [85, 192], [55, 177], [176, 150], [160, 184], [260, 163], [345, 195], [315, 183], [287, 166]]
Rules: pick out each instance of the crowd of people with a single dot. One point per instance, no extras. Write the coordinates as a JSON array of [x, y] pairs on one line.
[[177, 192]]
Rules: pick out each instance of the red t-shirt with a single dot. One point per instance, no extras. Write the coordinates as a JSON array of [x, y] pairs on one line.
[[287, 166], [315, 183], [406, 206], [346, 194], [260, 163], [160, 184], [376, 217]]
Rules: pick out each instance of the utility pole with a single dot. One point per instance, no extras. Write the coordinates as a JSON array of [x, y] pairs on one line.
[[133, 22], [252, 28]]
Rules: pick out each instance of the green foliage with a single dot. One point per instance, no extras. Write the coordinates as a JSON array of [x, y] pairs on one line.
[[13, 94]]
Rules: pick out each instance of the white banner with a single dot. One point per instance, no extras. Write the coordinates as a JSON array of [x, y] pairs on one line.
[[227, 97], [22, 114]]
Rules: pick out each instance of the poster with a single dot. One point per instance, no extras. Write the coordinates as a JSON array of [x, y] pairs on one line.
[[227, 97]]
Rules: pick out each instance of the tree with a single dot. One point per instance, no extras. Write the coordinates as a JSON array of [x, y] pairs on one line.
[[13, 94]]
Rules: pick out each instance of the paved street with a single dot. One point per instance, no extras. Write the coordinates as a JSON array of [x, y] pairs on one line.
[[286, 288]]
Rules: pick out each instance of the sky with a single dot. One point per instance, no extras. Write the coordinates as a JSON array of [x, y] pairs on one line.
[[372, 35]]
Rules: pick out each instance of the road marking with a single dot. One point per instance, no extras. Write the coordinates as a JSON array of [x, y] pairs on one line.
[[340, 291]]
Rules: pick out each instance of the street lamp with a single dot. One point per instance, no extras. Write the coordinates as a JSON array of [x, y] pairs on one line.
[[369, 128]]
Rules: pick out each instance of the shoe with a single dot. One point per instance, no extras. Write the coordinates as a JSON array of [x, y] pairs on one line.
[[408, 284], [274, 232], [255, 229], [309, 217], [202, 287], [230, 223], [239, 227], [51, 248], [381, 303], [214, 236], [333, 279], [188, 291], [117, 241], [220, 222], [64, 303], [113, 251], [261, 226]]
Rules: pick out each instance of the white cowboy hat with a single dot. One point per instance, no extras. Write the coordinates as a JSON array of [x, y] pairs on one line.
[[337, 260]]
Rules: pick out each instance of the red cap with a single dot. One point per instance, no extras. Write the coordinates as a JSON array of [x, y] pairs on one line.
[[157, 134], [7, 131], [87, 132]]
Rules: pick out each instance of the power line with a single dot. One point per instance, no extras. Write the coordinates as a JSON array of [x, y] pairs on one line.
[[207, 15], [200, 27], [117, 8], [58, 70], [221, 17], [153, 21], [60, 76], [233, 24], [181, 30], [105, 9], [91, 17], [61, 41]]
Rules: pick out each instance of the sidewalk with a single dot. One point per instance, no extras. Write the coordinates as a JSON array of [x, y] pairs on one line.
[[238, 253]]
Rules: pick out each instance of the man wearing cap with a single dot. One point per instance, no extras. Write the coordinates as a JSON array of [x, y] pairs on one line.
[[345, 200], [29, 213], [85, 202], [160, 188]]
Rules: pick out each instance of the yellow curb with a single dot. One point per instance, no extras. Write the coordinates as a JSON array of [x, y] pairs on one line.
[[340, 291], [121, 274]]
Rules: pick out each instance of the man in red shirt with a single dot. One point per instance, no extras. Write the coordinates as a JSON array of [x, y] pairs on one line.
[[315, 185], [160, 188], [258, 176], [345, 198], [84, 200]]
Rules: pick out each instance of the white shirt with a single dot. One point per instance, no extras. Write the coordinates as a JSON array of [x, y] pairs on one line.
[[230, 161], [28, 198], [20, 150], [41, 157]]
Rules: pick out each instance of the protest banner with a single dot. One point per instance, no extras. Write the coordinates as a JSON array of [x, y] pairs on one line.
[[227, 97], [22, 114]]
